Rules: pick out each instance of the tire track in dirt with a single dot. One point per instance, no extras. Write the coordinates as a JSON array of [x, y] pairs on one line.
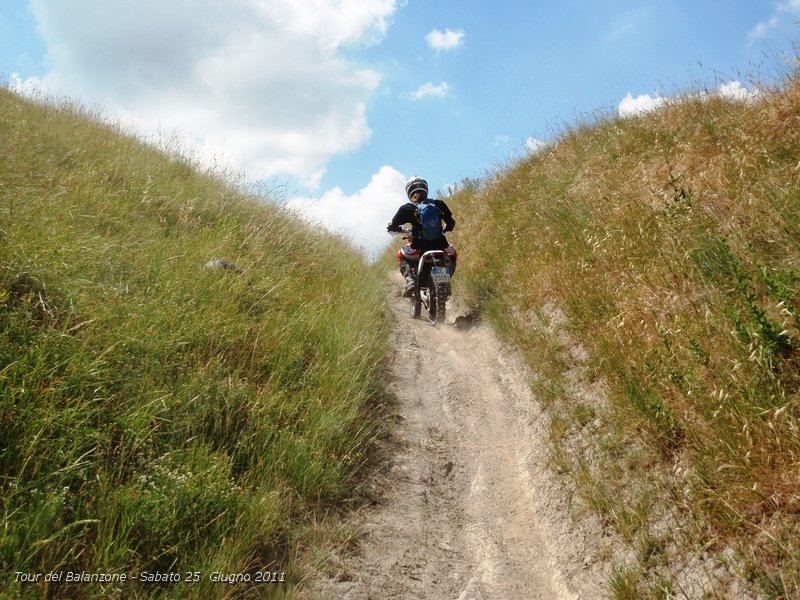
[[465, 507]]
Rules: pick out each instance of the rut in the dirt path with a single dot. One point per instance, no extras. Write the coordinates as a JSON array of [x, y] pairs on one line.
[[465, 507]]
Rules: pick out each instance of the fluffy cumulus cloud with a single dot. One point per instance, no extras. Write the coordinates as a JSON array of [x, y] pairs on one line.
[[362, 217], [260, 85], [734, 90], [445, 41], [630, 106]]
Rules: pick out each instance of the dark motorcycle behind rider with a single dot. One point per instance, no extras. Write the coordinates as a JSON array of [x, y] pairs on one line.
[[428, 260]]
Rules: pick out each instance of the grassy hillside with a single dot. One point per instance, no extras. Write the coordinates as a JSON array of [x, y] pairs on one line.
[[655, 261], [156, 415]]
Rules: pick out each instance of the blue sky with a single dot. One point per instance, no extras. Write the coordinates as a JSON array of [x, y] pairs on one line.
[[333, 103]]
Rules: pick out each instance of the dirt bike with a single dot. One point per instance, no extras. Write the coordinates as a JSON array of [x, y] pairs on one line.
[[433, 286], [432, 273]]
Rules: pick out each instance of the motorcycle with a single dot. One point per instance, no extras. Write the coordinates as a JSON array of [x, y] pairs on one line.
[[432, 271]]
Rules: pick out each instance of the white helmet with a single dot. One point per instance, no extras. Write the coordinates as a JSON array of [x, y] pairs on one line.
[[417, 184]]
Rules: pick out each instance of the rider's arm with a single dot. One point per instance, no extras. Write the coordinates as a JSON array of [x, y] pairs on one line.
[[447, 217], [401, 217]]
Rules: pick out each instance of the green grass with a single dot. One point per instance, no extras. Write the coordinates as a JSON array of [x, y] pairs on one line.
[[670, 242], [156, 415]]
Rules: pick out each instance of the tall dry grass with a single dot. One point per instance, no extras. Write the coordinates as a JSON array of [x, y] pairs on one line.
[[671, 243]]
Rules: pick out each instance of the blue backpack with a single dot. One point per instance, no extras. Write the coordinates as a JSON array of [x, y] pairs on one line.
[[430, 219]]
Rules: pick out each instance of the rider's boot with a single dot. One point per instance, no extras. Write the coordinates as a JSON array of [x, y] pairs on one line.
[[411, 282], [410, 287]]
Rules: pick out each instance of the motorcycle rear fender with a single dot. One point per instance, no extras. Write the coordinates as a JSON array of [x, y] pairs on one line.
[[408, 253], [430, 258]]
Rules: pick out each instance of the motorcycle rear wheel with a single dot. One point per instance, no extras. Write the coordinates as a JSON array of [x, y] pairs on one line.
[[437, 306]]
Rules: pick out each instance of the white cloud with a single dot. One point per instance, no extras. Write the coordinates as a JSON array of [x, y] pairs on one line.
[[361, 217], [259, 84], [445, 41], [630, 106], [761, 30], [429, 90], [534, 145], [734, 90], [334, 22], [790, 8]]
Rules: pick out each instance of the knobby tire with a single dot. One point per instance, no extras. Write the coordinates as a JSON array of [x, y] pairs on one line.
[[438, 306], [416, 304], [442, 294]]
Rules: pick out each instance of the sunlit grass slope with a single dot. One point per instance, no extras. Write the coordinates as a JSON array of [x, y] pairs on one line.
[[156, 415], [670, 245]]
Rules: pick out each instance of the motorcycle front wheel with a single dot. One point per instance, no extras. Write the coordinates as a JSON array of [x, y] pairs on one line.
[[416, 304]]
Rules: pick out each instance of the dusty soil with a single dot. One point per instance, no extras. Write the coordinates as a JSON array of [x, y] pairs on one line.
[[463, 503]]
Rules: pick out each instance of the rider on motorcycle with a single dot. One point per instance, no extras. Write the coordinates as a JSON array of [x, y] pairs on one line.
[[408, 255]]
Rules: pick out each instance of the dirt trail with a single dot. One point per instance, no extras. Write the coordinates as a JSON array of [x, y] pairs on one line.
[[465, 507]]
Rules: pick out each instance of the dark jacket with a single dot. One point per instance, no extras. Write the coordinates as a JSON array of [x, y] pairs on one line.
[[408, 214]]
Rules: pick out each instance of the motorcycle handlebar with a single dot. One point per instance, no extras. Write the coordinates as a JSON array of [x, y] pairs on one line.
[[403, 233]]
